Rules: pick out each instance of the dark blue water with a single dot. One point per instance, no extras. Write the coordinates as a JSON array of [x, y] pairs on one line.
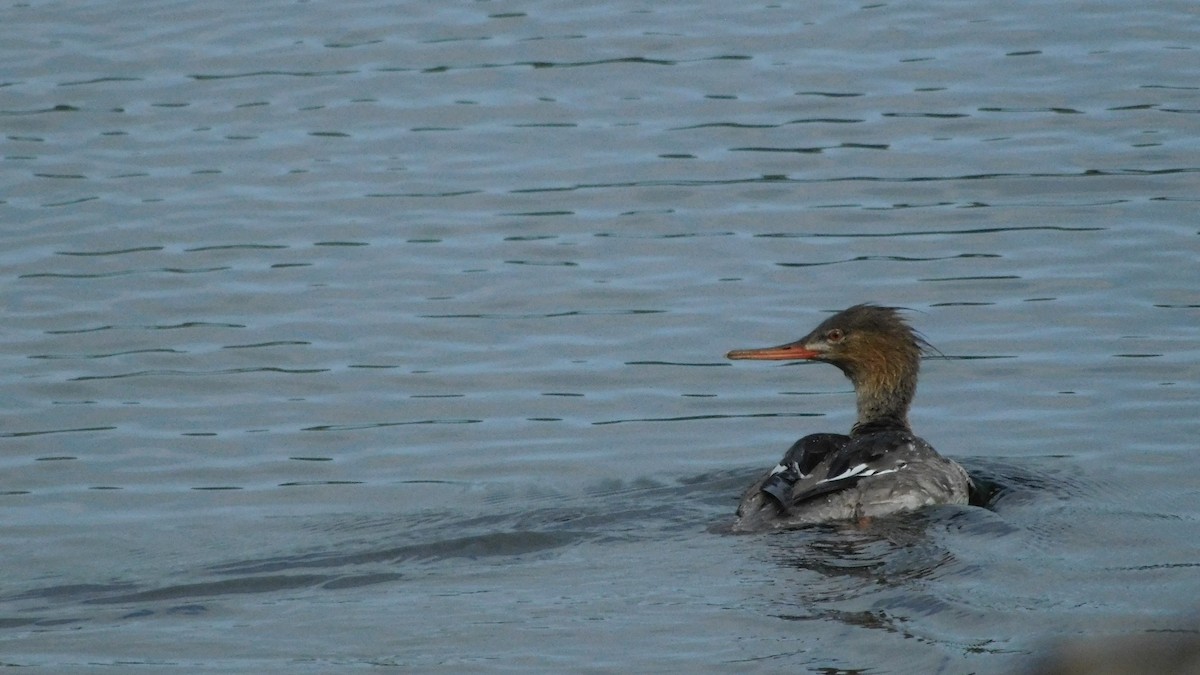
[[349, 335]]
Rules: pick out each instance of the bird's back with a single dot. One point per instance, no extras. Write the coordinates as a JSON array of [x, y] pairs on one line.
[[849, 478]]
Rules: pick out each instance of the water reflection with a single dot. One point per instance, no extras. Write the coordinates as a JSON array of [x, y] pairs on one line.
[[286, 264]]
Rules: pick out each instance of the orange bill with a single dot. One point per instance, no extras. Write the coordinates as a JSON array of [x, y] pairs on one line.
[[790, 352]]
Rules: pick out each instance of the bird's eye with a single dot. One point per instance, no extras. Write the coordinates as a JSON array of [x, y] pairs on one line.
[[835, 335]]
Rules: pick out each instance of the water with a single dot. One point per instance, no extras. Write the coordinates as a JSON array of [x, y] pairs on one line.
[[350, 335]]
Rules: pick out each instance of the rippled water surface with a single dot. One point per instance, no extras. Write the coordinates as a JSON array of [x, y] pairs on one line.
[[361, 334]]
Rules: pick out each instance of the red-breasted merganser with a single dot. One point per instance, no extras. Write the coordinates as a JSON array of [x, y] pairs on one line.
[[881, 467]]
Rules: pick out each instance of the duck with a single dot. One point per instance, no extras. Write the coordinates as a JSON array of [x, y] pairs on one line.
[[881, 467]]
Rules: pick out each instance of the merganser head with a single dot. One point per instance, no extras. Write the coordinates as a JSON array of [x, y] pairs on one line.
[[873, 346]]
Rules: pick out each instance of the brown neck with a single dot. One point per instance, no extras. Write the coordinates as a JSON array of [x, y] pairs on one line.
[[880, 409], [885, 386]]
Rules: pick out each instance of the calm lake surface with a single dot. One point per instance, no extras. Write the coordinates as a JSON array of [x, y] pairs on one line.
[[357, 335]]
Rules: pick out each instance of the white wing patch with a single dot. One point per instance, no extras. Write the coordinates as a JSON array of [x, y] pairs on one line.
[[861, 471], [794, 466]]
